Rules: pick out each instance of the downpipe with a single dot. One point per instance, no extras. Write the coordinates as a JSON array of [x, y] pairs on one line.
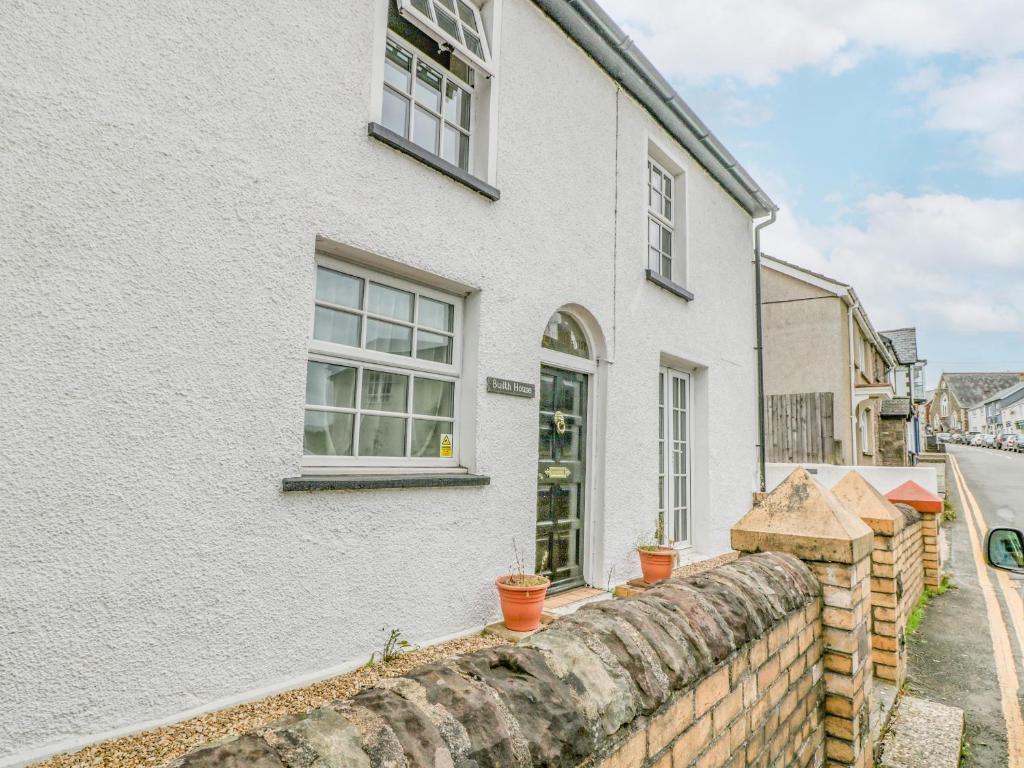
[[761, 458]]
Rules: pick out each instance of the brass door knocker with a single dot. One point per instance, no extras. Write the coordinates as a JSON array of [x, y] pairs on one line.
[[559, 420]]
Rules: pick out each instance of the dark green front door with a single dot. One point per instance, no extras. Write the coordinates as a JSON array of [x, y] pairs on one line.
[[561, 476]]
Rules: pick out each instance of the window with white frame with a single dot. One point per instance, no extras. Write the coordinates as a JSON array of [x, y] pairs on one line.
[[674, 411], [660, 220], [382, 376], [455, 24], [426, 103]]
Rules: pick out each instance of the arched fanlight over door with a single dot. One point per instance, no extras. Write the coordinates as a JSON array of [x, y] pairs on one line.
[[564, 334]]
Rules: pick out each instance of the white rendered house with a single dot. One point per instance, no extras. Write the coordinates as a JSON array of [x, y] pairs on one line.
[[311, 317]]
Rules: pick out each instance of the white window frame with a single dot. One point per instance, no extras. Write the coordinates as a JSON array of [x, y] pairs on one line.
[[666, 438], [663, 222], [360, 358], [414, 103], [446, 39]]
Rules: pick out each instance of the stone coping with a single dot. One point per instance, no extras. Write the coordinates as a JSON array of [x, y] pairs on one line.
[[570, 692]]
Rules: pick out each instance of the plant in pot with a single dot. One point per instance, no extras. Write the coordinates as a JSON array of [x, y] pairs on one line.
[[522, 596], [656, 559]]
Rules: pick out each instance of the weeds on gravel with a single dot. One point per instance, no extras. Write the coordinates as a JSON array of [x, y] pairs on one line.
[[394, 647], [918, 613], [948, 510]]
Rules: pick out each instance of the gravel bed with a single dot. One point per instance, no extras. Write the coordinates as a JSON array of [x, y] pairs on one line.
[[705, 565], [155, 748]]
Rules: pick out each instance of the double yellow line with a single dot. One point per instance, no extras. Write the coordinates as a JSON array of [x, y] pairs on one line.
[[1006, 667]]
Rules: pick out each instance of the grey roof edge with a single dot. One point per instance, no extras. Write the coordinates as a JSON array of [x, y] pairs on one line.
[[587, 24]]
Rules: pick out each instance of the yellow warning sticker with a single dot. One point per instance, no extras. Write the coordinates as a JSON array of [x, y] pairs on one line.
[[446, 446]]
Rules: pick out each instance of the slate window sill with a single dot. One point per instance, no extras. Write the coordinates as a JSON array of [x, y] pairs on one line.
[[402, 144], [371, 482], [668, 285]]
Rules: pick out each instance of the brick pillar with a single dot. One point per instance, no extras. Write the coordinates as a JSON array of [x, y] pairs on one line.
[[929, 506], [805, 519], [888, 646]]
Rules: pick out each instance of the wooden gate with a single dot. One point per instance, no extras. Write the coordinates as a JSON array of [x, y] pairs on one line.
[[799, 428]]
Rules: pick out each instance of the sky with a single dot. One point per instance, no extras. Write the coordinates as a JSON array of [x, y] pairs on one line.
[[891, 135]]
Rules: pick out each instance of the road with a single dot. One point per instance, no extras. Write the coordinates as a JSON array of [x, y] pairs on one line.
[[969, 650]]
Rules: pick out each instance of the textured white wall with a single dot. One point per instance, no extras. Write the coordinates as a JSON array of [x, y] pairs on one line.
[[165, 171]]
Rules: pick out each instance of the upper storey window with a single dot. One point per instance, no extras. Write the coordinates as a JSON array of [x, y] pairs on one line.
[[426, 103], [452, 23]]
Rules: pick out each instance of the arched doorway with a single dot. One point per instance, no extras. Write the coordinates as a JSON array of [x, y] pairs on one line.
[[568, 364]]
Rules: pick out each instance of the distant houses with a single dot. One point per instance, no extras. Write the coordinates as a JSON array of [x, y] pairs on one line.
[[961, 401]]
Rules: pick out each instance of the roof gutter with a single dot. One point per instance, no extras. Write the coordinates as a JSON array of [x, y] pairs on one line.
[[603, 40]]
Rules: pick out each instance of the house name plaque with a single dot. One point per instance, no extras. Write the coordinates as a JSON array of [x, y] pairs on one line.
[[509, 387]]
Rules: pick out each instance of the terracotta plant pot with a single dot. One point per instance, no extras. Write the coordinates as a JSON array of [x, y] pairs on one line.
[[522, 606], [657, 563]]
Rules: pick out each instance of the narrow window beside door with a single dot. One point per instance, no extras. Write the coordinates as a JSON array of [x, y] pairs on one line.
[[674, 457]]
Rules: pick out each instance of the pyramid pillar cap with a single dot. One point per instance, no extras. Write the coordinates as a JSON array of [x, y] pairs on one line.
[[864, 500], [804, 518], [915, 496]]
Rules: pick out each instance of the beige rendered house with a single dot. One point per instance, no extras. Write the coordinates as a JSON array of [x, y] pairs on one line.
[[820, 347]]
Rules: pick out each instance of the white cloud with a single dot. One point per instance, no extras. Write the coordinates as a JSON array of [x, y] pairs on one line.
[[950, 261], [757, 41], [988, 105]]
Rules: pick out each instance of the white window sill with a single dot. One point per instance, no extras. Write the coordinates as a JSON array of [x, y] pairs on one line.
[[668, 285]]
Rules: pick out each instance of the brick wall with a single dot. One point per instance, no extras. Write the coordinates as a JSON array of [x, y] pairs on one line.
[[723, 668], [897, 581], [761, 706]]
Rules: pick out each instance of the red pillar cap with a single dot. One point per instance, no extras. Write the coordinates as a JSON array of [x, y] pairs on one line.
[[913, 494]]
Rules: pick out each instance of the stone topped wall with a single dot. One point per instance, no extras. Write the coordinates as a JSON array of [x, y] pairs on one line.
[[722, 667], [897, 581]]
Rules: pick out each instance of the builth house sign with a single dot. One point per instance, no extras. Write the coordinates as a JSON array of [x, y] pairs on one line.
[[508, 387]]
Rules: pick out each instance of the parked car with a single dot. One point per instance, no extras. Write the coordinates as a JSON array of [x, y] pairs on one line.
[[1013, 443], [990, 441], [944, 437], [978, 440], [1002, 438]]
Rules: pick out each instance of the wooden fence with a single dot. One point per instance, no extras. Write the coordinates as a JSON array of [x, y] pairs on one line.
[[800, 428]]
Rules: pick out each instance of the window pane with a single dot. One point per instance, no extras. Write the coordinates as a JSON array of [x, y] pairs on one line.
[[428, 87], [666, 240], [388, 337], [381, 436], [390, 302], [666, 267], [336, 288], [433, 398], [328, 434], [333, 385], [653, 233], [395, 114], [473, 43], [455, 148], [433, 347], [654, 260], [448, 24], [456, 105], [425, 130], [397, 67], [337, 327], [384, 391], [467, 15], [422, 7], [564, 334], [449, 4], [436, 314], [426, 437], [668, 187]]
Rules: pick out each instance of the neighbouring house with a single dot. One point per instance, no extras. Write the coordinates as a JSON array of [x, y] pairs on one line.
[[826, 369], [908, 380], [1011, 411], [958, 395], [317, 320]]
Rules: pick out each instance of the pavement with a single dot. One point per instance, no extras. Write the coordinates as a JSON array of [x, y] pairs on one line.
[[969, 649]]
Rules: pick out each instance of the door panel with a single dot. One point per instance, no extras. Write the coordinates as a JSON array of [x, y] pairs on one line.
[[561, 476]]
